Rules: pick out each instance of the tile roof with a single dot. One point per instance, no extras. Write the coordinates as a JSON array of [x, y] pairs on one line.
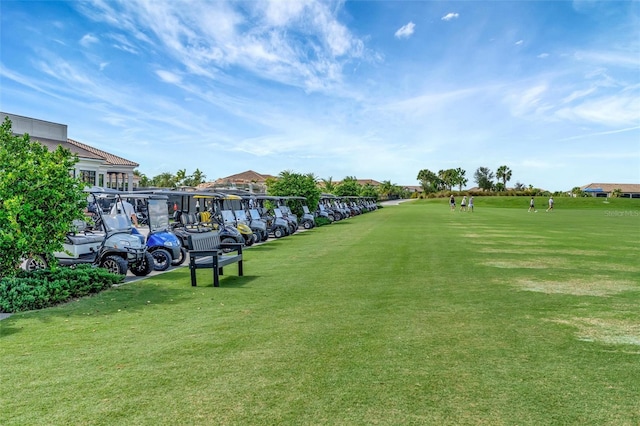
[[79, 151], [363, 182], [610, 187], [109, 158], [239, 178]]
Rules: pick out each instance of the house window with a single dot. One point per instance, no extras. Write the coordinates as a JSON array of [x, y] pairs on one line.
[[88, 176], [101, 180]]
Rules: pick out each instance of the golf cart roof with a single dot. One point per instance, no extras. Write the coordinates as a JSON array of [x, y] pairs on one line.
[[196, 194], [100, 190], [144, 196]]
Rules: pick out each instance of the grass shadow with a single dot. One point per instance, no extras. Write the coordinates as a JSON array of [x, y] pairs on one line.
[[171, 289]]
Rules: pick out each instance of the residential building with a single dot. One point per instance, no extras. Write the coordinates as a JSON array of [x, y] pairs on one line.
[[251, 181], [94, 166], [625, 190]]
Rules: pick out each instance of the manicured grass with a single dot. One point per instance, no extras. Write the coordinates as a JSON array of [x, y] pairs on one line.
[[409, 315]]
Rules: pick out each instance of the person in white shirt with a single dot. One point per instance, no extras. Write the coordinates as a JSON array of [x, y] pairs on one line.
[[128, 210]]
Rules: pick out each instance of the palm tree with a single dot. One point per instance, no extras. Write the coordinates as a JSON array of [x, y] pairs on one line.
[[165, 180], [459, 178], [504, 173], [385, 189], [328, 184]]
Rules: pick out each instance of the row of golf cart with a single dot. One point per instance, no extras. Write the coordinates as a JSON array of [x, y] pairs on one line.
[[166, 218], [337, 208]]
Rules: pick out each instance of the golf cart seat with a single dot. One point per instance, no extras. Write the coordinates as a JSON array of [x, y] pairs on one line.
[[79, 239], [79, 236], [191, 223]]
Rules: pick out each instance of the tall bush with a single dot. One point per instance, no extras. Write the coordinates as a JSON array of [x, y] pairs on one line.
[[295, 184], [38, 198]]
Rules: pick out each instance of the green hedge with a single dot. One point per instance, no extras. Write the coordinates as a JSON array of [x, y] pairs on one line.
[[321, 221], [47, 287]]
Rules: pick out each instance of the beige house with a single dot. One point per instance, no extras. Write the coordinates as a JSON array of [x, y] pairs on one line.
[[250, 181], [94, 166], [625, 190]]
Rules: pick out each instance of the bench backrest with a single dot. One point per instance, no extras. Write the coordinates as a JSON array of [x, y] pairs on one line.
[[204, 241]]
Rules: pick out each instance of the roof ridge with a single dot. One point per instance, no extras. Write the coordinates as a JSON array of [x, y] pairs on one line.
[[108, 157]]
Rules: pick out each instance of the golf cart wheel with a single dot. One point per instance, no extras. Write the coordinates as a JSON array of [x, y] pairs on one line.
[[256, 238], [278, 232], [34, 262], [265, 236], [248, 241], [161, 259], [144, 266], [182, 258], [227, 240], [115, 265], [307, 224]]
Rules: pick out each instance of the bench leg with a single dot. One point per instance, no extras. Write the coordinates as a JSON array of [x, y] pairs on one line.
[[240, 267], [216, 278], [192, 267], [216, 274]]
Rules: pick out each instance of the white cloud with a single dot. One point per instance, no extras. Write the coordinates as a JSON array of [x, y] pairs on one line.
[[612, 111], [543, 55], [519, 42], [609, 58], [169, 77], [88, 39], [450, 16], [406, 30], [578, 94], [103, 65], [300, 44], [527, 101]]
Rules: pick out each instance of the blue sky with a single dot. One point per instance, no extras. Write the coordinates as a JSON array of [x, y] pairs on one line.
[[371, 89]]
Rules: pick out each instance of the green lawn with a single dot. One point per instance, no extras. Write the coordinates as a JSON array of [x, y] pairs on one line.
[[409, 315]]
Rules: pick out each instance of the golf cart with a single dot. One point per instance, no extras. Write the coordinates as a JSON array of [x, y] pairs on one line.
[[308, 219], [257, 224], [276, 223], [109, 244], [164, 245]]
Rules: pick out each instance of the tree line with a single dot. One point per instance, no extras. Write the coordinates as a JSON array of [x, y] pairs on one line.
[[170, 180], [349, 186], [448, 179]]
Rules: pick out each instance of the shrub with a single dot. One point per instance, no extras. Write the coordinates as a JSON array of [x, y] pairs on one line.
[[47, 287], [321, 221]]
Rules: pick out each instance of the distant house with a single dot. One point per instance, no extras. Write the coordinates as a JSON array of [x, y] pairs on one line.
[[362, 182], [625, 190], [94, 166], [413, 189], [251, 181]]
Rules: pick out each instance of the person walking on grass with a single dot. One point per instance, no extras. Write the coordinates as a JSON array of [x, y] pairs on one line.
[[532, 207], [463, 204], [550, 208], [452, 203], [470, 204]]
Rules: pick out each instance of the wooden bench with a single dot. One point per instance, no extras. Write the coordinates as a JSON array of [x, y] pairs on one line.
[[207, 248]]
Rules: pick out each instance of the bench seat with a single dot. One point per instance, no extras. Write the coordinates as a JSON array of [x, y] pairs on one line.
[[207, 251]]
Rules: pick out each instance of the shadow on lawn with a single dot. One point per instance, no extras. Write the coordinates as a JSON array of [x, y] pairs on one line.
[[170, 289]]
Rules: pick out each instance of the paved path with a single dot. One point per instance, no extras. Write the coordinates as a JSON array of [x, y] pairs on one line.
[[395, 202]]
